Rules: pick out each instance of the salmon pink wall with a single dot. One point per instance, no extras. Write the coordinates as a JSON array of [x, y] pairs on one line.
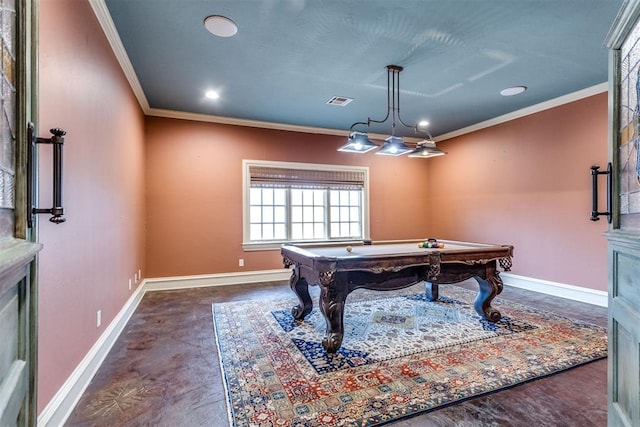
[[527, 183], [194, 192], [87, 261]]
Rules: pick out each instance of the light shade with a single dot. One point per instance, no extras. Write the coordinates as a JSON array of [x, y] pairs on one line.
[[358, 142], [427, 148], [394, 146]]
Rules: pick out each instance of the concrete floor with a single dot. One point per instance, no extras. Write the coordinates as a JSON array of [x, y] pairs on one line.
[[164, 371]]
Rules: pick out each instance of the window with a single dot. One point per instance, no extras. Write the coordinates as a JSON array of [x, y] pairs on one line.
[[302, 202]]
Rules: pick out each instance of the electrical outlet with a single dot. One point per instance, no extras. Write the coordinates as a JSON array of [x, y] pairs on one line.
[[240, 262], [98, 318], [129, 284]]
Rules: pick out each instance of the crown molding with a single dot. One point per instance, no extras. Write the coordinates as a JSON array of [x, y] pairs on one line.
[[108, 27], [173, 114], [546, 105], [104, 18]]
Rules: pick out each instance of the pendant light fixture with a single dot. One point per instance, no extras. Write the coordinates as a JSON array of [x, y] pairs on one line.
[[427, 148], [359, 142]]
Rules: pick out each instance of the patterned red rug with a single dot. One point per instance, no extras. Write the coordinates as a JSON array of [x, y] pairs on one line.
[[401, 355]]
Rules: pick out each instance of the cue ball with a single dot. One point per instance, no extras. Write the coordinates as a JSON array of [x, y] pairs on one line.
[[349, 248]]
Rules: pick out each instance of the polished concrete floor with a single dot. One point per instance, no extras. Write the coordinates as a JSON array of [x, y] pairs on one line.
[[164, 371]]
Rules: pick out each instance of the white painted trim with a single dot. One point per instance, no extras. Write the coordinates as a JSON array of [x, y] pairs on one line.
[[575, 293], [552, 103], [60, 407], [246, 187], [108, 27], [221, 279], [172, 114]]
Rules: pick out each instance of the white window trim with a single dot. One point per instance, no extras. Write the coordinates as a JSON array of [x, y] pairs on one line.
[[247, 245]]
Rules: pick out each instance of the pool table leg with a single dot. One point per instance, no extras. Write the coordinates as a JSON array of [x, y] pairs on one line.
[[489, 288], [333, 295], [431, 291], [300, 287]]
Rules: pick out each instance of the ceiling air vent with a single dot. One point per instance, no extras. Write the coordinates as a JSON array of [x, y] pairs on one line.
[[340, 101]]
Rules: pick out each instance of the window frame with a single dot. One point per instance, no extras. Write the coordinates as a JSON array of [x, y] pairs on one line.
[[248, 245]]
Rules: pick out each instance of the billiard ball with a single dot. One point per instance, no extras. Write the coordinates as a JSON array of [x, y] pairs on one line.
[[349, 248]]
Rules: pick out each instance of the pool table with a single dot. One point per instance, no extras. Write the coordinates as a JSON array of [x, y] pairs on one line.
[[389, 265]]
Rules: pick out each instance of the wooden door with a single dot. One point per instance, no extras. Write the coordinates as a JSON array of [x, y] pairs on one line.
[[624, 233], [18, 309]]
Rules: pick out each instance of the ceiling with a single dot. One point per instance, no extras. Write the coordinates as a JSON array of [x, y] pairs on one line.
[[289, 57]]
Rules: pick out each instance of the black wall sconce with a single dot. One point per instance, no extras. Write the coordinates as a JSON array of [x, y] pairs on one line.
[[595, 171], [57, 140]]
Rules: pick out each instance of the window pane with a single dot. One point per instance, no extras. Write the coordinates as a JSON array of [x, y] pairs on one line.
[[355, 229], [307, 231], [307, 197], [344, 229], [354, 214], [296, 231], [318, 214], [255, 214], [280, 214], [344, 197], [255, 232], [344, 213], [318, 231], [296, 197], [280, 232], [318, 197], [335, 230], [255, 196], [267, 196], [335, 214], [267, 214], [307, 213], [267, 232], [296, 214], [334, 198], [280, 196], [354, 198]]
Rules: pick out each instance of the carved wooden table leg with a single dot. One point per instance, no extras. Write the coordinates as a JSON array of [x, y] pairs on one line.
[[431, 291], [432, 273], [489, 288], [333, 294], [300, 287]]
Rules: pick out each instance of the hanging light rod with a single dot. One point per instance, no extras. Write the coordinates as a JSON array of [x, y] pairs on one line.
[[359, 142]]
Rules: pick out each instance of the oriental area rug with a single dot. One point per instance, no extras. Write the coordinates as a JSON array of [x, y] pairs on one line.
[[401, 355]]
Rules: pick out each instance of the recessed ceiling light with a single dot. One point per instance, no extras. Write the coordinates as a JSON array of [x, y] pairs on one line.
[[212, 94], [515, 90], [423, 123], [220, 26]]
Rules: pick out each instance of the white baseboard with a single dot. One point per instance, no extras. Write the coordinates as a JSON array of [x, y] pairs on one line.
[[221, 279], [60, 407], [575, 293]]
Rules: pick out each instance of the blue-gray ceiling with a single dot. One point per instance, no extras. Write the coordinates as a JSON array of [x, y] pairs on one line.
[[290, 57]]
